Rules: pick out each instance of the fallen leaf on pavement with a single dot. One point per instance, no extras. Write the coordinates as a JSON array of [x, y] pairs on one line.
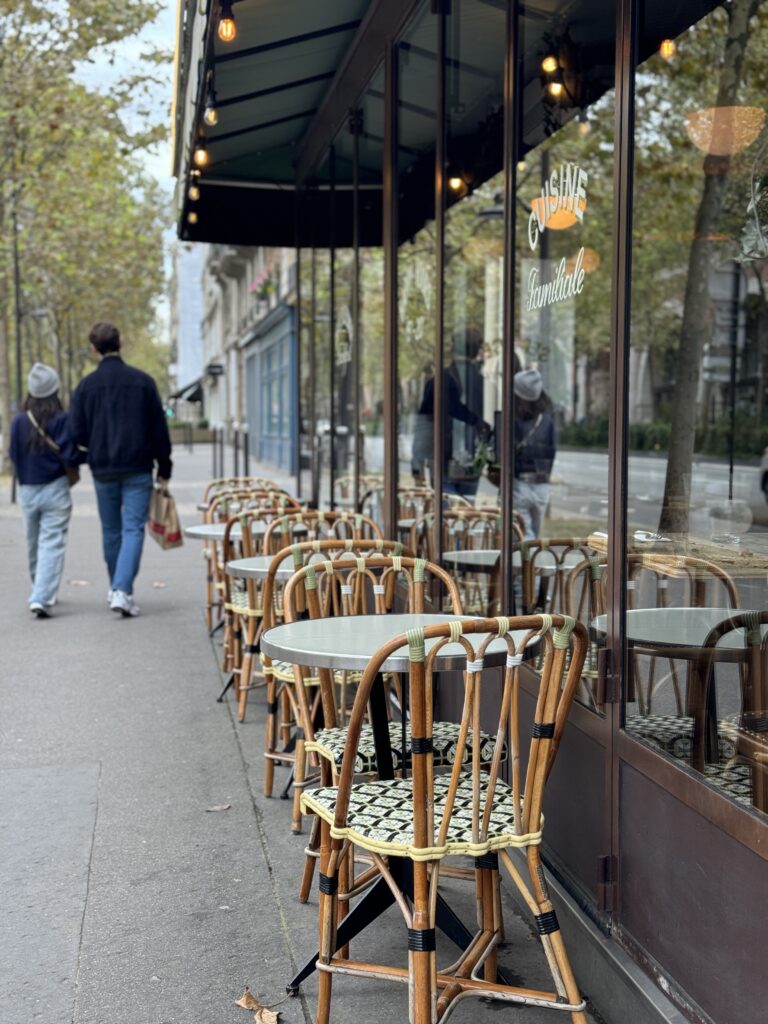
[[159, 585], [222, 807], [79, 583], [248, 1002], [266, 1016]]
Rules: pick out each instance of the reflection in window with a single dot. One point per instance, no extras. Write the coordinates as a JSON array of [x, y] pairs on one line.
[[697, 399]]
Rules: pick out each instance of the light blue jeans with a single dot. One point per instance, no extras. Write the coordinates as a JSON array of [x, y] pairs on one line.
[[123, 510], [46, 509]]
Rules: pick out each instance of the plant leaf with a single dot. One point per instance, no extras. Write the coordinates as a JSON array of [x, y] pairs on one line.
[[266, 1016]]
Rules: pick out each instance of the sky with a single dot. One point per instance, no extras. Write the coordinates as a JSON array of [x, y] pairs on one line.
[[127, 56]]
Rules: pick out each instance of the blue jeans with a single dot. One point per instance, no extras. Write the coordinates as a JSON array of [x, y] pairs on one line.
[[46, 509], [123, 510]]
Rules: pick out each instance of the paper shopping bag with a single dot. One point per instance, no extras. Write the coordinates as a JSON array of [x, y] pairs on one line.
[[163, 525]]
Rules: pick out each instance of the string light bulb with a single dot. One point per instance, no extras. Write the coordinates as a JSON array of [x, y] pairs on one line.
[[191, 217], [549, 64], [227, 29], [555, 89], [455, 183], [668, 49], [200, 155], [193, 192], [211, 114], [584, 125]]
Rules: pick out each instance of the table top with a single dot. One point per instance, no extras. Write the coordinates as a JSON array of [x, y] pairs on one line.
[[350, 641], [487, 559], [685, 628], [257, 568], [215, 531]]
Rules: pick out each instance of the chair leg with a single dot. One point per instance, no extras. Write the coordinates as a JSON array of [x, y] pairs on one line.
[[299, 774], [554, 947], [327, 930], [422, 972], [313, 847], [271, 738], [487, 890], [246, 666]]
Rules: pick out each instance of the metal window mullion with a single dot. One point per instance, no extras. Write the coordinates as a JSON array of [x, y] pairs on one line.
[[297, 347], [356, 339], [512, 132], [389, 196], [332, 347], [440, 162]]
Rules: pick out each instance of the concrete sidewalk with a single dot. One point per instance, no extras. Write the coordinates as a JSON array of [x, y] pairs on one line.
[[128, 901]]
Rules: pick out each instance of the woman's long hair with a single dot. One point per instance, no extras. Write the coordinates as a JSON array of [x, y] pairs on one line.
[[43, 409]]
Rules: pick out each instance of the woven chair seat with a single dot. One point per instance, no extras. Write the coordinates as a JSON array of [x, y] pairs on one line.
[[380, 818], [734, 779], [329, 743], [283, 670], [674, 735]]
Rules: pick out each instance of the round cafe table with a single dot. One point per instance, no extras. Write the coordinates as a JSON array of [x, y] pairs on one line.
[[683, 630], [215, 531], [349, 642], [257, 568]]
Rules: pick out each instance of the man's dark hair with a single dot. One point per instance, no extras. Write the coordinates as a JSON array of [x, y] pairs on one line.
[[105, 338]]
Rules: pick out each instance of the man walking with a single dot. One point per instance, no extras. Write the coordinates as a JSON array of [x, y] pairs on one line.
[[116, 414]]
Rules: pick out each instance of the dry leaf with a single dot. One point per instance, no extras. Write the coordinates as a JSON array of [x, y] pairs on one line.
[[223, 807], [266, 1016], [79, 583], [158, 585], [248, 1002]]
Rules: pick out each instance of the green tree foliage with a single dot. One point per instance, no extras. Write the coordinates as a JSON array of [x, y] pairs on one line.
[[85, 219]]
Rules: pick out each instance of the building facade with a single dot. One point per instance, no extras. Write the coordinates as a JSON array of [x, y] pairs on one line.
[[577, 191]]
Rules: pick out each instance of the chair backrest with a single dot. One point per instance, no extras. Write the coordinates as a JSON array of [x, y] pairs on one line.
[[318, 550], [222, 506], [282, 531], [238, 483], [475, 776], [699, 583], [545, 564], [366, 586]]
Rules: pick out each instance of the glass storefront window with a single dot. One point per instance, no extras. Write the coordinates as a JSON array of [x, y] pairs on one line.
[[417, 91], [698, 420], [562, 316]]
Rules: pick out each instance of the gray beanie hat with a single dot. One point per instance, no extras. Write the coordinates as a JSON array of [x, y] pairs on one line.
[[528, 385], [43, 381]]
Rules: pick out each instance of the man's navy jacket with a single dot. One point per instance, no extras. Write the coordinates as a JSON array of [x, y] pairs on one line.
[[117, 415]]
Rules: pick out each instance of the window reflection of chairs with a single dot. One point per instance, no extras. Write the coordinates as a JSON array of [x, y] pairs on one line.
[[311, 525], [667, 701], [732, 751]]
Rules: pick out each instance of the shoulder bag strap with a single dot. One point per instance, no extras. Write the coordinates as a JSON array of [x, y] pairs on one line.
[[44, 435], [529, 435]]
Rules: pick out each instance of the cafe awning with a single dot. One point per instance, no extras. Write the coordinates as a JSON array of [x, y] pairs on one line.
[[268, 86]]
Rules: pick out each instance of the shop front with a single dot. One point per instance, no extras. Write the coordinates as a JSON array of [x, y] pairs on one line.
[[533, 280]]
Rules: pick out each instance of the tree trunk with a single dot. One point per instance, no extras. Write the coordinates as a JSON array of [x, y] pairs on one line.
[[675, 505]]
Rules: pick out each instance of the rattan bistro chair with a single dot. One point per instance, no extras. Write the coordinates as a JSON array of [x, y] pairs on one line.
[[284, 530], [430, 817], [282, 696]]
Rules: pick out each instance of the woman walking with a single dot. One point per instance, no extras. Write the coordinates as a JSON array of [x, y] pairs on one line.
[[534, 450], [45, 458]]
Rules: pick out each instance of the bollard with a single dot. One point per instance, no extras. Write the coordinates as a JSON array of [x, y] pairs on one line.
[[236, 448], [222, 471], [246, 451]]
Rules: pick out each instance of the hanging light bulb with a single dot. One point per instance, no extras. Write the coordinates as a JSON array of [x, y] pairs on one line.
[[191, 217], [555, 89], [227, 29], [584, 125], [211, 114], [200, 156], [193, 192], [455, 183], [521, 165], [549, 64], [668, 49]]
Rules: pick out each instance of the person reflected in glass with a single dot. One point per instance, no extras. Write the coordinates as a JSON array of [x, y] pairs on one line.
[[463, 403], [534, 439]]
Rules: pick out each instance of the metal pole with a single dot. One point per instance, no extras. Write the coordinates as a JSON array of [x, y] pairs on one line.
[[222, 470], [236, 448], [247, 451], [213, 452], [734, 345], [17, 301]]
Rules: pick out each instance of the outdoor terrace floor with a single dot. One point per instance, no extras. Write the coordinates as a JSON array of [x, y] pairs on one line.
[[126, 901]]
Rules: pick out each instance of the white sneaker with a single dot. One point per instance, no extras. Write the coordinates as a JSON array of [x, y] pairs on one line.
[[110, 595], [39, 610], [123, 603]]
